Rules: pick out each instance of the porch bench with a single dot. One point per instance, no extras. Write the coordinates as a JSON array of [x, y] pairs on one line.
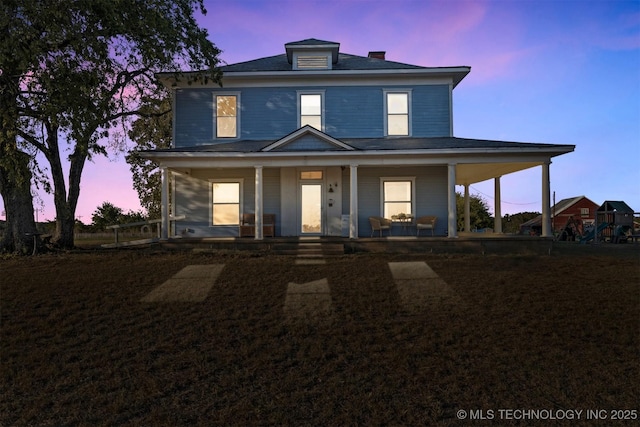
[[247, 226]]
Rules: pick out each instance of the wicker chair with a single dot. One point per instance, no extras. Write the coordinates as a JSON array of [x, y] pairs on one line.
[[426, 223], [379, 224], [248, 225]]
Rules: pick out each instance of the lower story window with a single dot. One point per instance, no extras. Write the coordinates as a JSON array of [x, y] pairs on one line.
[[398, 195], [226, 203]]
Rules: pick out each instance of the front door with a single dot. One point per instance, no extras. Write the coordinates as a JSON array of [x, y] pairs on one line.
[[311, 209]]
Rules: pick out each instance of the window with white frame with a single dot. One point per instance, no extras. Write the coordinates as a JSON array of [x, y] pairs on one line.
[[225, 197], [310, 107], [398, 196], [584, 211], [397, 113], [226, 116]]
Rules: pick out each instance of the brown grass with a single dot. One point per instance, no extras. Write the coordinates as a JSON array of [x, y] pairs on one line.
[[530, 332]]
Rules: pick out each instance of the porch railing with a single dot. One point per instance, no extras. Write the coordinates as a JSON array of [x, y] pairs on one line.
[[157, 222]]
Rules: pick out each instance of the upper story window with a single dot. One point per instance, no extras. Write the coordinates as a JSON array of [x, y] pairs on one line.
[[584, 211], [227, 115], [310, 107], [397, 113]]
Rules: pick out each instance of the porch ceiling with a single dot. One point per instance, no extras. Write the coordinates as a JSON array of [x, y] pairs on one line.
[[470, 173]]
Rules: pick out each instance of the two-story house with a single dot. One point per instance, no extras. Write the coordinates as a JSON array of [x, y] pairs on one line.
[[324, 140]]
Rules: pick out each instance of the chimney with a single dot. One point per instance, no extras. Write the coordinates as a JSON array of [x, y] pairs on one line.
[[377, 54]]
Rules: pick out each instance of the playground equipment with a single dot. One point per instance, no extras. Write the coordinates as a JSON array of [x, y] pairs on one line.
[[572, 229], [591, 234]]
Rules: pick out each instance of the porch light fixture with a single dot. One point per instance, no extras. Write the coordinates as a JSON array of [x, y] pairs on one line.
[[331, 188]]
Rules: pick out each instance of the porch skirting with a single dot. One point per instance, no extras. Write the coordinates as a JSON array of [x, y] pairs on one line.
[[404, 244]]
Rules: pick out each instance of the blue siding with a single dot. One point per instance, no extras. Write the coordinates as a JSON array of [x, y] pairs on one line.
[[271, 113], [308, 142], [431, 111], [354, 112], [268, 113], [431, 194], [193, 117], [193, 200]]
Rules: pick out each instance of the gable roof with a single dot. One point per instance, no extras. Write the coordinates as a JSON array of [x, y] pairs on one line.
[[565, 204], [311, 45], [615, 205], [315, 140], [556, 210]]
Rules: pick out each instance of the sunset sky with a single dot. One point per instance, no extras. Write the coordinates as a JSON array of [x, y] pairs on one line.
[[559, 72]]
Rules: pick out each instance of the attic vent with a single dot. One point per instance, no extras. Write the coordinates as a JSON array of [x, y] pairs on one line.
[[313, 62]]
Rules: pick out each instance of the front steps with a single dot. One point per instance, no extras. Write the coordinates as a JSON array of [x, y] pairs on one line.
[[308, 250]]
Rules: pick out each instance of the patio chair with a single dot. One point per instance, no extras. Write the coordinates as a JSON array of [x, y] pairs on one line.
[[248, 225], [425, 223], [379, 224]]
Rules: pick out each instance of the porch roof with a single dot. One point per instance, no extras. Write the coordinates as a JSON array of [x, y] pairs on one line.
[[476, 160], [391, 144]]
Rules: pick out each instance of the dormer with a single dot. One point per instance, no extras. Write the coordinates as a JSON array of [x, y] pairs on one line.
[[312, 54]]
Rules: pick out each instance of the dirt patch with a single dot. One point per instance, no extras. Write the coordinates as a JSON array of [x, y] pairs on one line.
[[535, 332]]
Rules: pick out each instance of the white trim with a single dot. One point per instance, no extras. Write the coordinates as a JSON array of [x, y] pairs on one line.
[[304, 131], [476, 155], [259, 205], [317, 159], [323, 202], [173, 117], [299, 94], [333, 81], [452, 220], [405, 91], [411, 179], [215, 115], [164, 197], [450, 109], [353, 201], [240, 199], [412, 76]]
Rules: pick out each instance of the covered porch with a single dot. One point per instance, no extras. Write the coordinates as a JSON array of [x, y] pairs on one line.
[[351, 168]]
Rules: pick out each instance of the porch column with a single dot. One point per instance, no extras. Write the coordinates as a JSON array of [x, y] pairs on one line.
[[467, 209], [452, 216], [164, 206], [353, 202], [546, 197], [258, 213], [497, 221]]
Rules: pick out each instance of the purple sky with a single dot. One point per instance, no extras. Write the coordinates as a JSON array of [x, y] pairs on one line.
[[560, 72]]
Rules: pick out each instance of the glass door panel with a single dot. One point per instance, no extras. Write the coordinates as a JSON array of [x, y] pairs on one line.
[[311, 208]]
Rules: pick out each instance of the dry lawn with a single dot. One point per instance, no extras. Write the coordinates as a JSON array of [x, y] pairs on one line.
[[78, 347]]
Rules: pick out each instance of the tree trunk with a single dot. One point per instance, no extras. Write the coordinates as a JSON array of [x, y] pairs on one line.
[[66, 204], [18, 205], [15, 175]]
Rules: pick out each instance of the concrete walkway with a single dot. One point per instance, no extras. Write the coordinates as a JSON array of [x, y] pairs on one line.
[[309, 301], [419, 287], [192, 283]]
